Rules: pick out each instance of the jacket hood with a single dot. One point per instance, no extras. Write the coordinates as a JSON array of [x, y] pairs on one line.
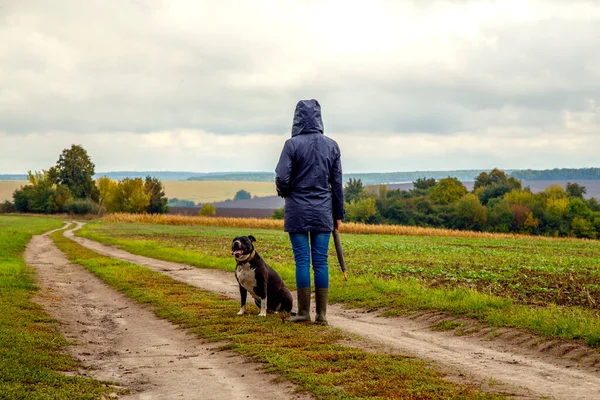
[[307, 118]]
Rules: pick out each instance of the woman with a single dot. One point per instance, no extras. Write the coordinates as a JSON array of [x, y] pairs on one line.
[[309, 177]]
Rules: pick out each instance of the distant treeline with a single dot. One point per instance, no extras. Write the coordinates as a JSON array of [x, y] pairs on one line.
[[557, 174], [366, 178], [396, 177], [13, 177]]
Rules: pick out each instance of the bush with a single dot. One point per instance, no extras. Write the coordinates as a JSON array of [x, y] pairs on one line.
[[208, 210], [7, 207], [279, 213], [242, 195], [583, 228], [83, 207], [360, 211]]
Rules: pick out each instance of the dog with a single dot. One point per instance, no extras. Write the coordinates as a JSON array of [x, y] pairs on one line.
[[254, 276]]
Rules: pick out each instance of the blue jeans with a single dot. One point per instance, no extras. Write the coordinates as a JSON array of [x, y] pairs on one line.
[[303, 252]]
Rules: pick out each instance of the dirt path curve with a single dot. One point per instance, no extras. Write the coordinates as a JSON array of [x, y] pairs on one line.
[[119, 340], [522, 369]]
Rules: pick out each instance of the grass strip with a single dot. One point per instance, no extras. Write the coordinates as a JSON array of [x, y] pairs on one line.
[[309, 356], [368, 288], [32, 356]]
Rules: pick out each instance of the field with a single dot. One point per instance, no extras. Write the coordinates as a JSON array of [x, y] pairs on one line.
[[197, 191], [542, 289], [8, 187], [321, 361], [213, 191], [534, 282]]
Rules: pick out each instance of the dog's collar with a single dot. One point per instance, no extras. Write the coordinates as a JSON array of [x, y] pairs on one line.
[[248, 257]]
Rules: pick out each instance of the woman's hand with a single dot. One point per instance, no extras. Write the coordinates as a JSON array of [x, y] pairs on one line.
[[338, 224]]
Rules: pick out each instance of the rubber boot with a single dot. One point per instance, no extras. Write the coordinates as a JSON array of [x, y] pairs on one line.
[[303, 305], [321, 300]]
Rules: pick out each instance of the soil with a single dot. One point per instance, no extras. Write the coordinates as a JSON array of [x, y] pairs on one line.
[[119, 340], [509, 361]]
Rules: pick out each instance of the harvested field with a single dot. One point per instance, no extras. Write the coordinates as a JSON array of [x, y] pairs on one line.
[[213, 191], [8, 187]]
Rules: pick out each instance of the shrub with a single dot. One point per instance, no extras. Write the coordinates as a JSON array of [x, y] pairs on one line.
[[583, 228], [242, 195], [7, 207], [208, 210], [360, 211], [83, 207], [279, 213]]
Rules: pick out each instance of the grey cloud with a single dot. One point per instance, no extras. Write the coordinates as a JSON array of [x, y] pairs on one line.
[[121, 66]]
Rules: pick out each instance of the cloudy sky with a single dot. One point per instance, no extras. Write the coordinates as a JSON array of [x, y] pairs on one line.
[[212, 85]]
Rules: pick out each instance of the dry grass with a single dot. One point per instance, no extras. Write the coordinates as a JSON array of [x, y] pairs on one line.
[[171, 219], [357, 228], [8, 187], [212, 191]]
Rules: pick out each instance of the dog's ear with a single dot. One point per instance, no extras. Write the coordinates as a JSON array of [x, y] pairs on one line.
[[252, 238]]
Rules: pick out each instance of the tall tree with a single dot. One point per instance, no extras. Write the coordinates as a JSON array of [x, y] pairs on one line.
[[447, 191], [134, 196], [576, 190], [424, 183], [242, 195], [158, 201], [75, 170], [354, 190]]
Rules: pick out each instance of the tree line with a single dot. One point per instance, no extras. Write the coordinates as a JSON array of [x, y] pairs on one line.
[[69, 187], [497, 203]]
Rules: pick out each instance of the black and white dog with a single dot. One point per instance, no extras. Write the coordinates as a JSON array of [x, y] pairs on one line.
[[255, 276]]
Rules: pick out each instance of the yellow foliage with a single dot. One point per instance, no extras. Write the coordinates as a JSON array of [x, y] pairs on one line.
[[557, 207], [207, 210], [521, 197], [530, 222], [555, 192]]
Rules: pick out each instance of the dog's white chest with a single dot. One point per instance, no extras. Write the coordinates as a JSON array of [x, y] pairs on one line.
[[246, 277]]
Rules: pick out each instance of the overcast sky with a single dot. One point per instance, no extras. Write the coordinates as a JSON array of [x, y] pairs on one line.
[[212, 85]]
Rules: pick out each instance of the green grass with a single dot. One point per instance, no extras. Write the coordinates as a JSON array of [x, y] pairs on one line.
[[307, 355], [548, 287], [31, 347]]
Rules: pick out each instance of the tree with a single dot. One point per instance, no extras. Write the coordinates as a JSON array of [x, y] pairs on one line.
[[555, 192], [208, 210], [362, 210], [583, 228], [134, 196], [499, 215], [158, 201], [482, 180], [175, 202], [494, 185], [242, 195], [424, 183], [394, 210], [279, 213], [354, 190], [41, 195], [447, 191], [575, 190], [75, 170], [470, 214]]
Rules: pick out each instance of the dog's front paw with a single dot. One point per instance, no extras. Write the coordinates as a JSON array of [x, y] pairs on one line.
[[242, 311], [262, 313]]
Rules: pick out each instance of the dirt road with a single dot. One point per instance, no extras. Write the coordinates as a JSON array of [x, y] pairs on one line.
[[119, 340], [515, 361]]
